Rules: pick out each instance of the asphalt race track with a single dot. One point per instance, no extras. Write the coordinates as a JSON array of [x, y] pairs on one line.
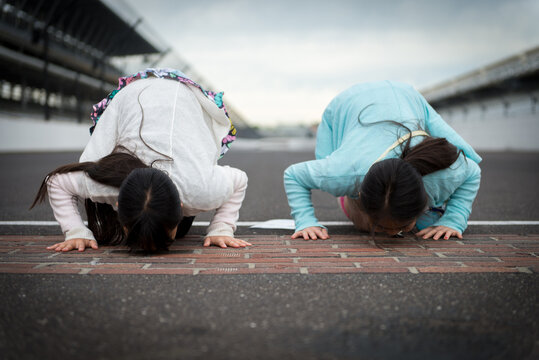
[[343, 298]]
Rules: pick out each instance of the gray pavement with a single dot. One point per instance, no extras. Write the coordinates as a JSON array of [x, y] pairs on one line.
[[382, 316], [326, 316]]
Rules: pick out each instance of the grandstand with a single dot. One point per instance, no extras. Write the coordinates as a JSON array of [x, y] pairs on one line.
[[494, 107], [61, 56]]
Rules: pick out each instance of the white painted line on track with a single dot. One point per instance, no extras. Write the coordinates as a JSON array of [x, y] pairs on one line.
[[253, 223]]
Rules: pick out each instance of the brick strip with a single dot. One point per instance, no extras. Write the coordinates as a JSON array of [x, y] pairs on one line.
[[280, 254]]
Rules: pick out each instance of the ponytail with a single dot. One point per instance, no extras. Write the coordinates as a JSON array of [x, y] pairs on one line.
[[430, 155]]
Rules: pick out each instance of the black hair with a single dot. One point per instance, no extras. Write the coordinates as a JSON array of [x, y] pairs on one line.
[[149, 206], [393, 189]]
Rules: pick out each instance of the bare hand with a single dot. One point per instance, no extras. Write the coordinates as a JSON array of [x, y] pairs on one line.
[[72, 244], [436, 232], [224, 241], [312, 232]]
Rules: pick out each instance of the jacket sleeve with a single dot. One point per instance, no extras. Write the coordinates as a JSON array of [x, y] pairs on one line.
[[64, 191], [324, 134], [224, 220], [299, 180], [459, 205]]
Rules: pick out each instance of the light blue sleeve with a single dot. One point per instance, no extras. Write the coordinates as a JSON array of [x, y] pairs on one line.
[[324, 134], [299, 180], [329, 175], [459, 205]]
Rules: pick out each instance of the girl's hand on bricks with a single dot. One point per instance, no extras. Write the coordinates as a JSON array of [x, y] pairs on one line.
[[73, 244], [312, 232], [225, 241], [436, 232]]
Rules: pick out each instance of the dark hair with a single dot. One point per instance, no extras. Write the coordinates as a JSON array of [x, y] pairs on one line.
[[149, 207], [393, 188]]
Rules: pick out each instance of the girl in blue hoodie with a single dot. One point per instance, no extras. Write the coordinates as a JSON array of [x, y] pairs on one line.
[[392, 161]]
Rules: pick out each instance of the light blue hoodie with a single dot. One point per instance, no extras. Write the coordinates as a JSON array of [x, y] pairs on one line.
[[346, 149]]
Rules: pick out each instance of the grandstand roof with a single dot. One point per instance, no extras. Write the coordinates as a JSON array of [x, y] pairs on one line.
[[519, 72], [78, 35]]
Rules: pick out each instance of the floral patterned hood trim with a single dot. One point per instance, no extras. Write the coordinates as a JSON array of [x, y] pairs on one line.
[[217, 98]]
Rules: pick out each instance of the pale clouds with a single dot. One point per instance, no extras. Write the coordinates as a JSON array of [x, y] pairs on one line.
[[283, 61]]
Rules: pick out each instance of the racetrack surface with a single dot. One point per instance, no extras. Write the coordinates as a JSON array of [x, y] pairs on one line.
[[348, 297]]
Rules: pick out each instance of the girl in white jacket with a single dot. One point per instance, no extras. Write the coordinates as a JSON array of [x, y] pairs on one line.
[[149, 168]]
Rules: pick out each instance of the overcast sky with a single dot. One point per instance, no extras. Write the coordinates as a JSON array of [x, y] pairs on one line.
[[282, 61]]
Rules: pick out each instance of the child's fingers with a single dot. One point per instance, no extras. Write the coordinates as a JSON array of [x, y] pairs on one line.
[[240, 242], [450, 233], [221, 243], [233, 242], [429, 233], [93, 244], [322, 233], [438, 234], [325, 233], [53, 247], [207, 242], [68, 247], [243, 243], [61, 247], [421, 232]]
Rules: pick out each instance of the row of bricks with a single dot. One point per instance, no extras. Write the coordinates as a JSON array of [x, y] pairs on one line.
[[336, 238], [246, 258], [387, 263], [251, 269], [284, 254], [330, 244], [286, 237], [316, 246], [203, 258]]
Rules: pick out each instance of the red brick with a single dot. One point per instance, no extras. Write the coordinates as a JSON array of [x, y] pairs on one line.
[[287, 270], [409, 264], [309, 260], [198, 265], [6, 268], [104, 271], [436, 259], [467, 269], [293, 255], [518, 258], [357, 270]]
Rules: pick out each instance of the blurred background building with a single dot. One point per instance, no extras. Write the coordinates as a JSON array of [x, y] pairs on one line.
[[495, 106], [59, 57]]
